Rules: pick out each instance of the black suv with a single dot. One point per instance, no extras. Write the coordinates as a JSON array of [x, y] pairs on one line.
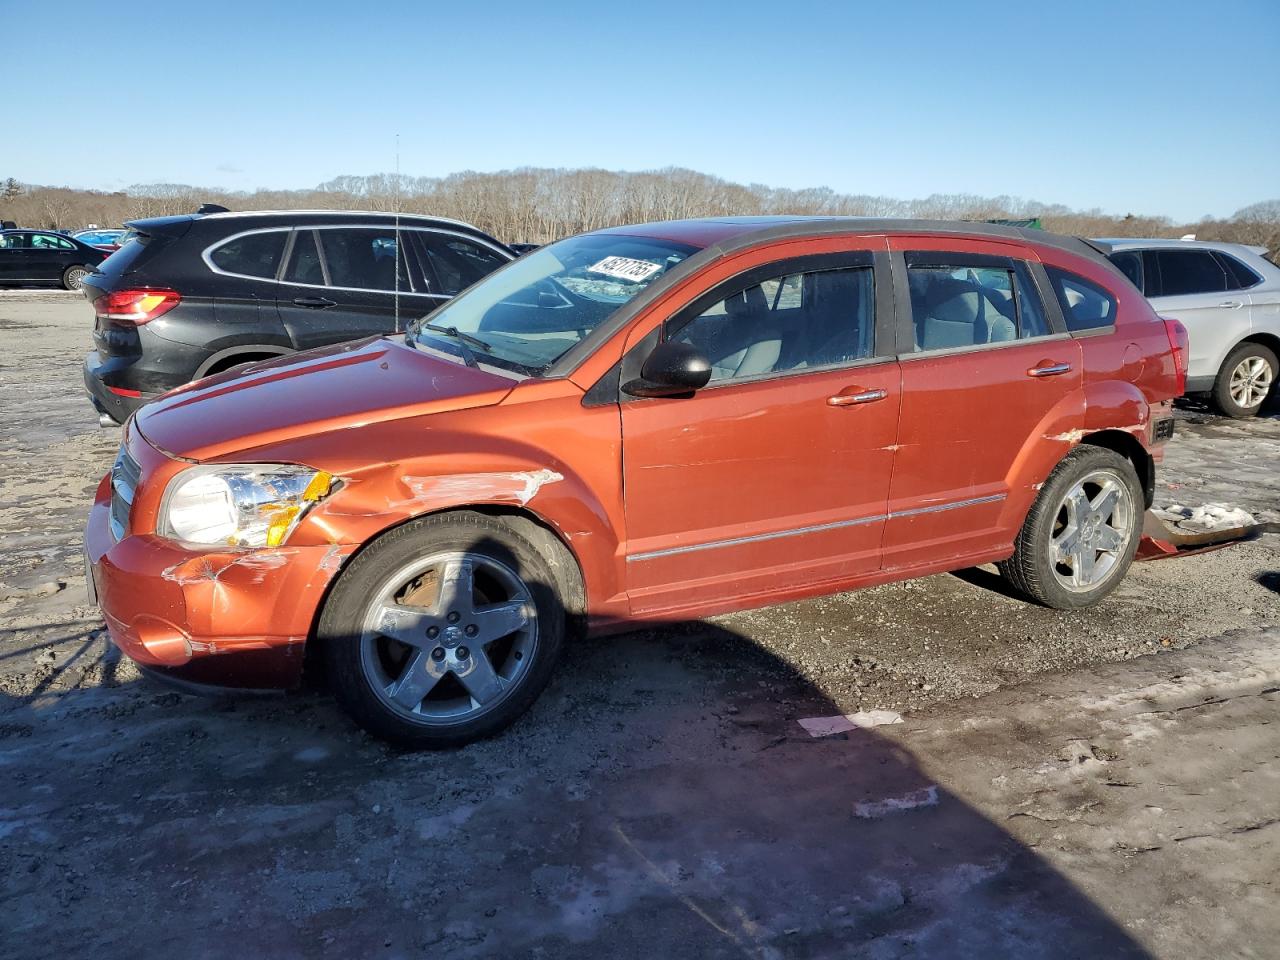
[[195, 295]]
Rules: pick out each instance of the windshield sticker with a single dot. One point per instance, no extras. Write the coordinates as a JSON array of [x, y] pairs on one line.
[[624, 268]]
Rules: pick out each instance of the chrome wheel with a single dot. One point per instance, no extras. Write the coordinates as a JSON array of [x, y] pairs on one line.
[[448, 637], [1250, 382], [74, 277], [1094, 525]]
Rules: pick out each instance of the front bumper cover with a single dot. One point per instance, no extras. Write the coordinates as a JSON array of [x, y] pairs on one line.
[[235, 618]]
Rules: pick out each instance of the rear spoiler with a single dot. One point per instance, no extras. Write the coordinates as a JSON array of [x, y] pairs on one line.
[[168, 227], [1102, 248]]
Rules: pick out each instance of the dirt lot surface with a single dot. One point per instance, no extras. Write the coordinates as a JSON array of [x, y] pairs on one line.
[[1065, 785]]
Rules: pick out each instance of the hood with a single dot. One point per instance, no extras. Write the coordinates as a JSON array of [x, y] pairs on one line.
[[347, 385]]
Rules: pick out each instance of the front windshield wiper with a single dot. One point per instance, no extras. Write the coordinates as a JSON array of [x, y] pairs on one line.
[[465, 340]]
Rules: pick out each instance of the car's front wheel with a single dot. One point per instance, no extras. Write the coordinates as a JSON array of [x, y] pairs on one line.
[[1081, 533], [1245, 380], [73, 277], [442, 631]]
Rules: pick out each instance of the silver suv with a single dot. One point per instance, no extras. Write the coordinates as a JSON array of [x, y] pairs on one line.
[[1228, 298]]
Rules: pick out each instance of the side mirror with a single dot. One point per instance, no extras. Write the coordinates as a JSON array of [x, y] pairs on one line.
[[673, 369]]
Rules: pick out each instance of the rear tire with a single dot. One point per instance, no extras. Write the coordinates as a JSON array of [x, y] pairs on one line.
[[442, 631], [1248, 376], [1081, 533], [73, 277]]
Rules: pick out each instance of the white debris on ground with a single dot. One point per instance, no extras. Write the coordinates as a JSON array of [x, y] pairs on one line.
[[1210, 516], [863, 719]]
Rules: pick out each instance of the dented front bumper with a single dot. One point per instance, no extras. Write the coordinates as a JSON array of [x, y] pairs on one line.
[[227, 617]]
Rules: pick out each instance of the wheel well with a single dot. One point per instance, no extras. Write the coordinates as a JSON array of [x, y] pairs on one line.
[[1268, 340], [558, 555], [226, 363], [1128, 447]]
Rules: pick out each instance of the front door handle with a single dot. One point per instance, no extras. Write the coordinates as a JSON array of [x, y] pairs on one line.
[[1233, 304], [1047, 369], [846, 399], [316, 303]]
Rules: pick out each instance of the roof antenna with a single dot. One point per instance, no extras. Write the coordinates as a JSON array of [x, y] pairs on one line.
[[398, 252]]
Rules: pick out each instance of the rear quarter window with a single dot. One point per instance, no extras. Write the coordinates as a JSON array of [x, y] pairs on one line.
[[250, 255], [1241, 277], [1085, 305]]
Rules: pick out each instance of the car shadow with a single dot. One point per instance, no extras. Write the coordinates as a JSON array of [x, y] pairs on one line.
[[660, 799]]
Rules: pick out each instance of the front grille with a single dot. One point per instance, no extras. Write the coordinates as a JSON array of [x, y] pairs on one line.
[[124, 480]]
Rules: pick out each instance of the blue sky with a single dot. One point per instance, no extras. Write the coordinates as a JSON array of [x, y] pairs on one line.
[[1160, 108]]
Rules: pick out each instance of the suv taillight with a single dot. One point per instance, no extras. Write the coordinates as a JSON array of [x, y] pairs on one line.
[[1178, 340], [136, 306]]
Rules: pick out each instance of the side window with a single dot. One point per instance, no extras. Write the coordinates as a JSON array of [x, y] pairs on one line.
[[304, 263], [1183, 272], [14, 241], [362, 258], [964, 305], [1241, 277], [253, 255], [795, 322], [1129, 263], [47, 241], [458, 263], [1085, 305]]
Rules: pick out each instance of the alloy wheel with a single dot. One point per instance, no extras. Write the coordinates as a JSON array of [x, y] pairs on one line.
[[1094, 525], [75, 277], [1251, 382], [448, 637]]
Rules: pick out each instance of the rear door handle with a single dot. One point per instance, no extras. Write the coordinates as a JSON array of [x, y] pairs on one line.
[[1233, 304], [861, 396], [1049, 370], [316, 303]]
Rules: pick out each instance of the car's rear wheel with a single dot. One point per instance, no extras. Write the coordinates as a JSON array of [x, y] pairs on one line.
[[1081, 533], [1246, 379], [443, 631], [73, 277]]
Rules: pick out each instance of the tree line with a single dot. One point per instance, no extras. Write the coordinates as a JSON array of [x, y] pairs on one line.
[[537, 205]]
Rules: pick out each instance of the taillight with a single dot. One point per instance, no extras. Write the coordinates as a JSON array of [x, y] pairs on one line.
[[136, 306], [1178, 340]]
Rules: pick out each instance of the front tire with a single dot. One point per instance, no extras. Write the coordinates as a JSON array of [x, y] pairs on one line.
[[73, 277], [1081, 533], [442, 631], [1247, 377]]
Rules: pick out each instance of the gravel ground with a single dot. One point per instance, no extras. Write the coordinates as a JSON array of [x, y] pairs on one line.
[[659, 798]]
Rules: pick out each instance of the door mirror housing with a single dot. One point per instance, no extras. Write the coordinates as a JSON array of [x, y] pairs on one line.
[[673, 369]]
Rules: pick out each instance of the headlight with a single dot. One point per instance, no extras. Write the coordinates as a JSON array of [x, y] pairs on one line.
[[240, 505]]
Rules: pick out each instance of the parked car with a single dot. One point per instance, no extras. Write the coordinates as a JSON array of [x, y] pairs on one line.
[[643, 423], [191, 296], [45, 257], [1228, 297], [109, 240]]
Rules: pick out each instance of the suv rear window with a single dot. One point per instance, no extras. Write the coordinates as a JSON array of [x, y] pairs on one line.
[[1181, 272], [251, 255], [362, 258], [1085, 305], [457, 263]]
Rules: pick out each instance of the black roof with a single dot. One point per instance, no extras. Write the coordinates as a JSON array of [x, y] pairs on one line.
[[247, 219]]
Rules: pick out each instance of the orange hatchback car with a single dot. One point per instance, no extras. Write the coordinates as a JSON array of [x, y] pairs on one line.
[[643, 423]]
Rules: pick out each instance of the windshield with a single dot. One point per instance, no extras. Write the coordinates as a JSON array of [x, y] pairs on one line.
[[527, 315]]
